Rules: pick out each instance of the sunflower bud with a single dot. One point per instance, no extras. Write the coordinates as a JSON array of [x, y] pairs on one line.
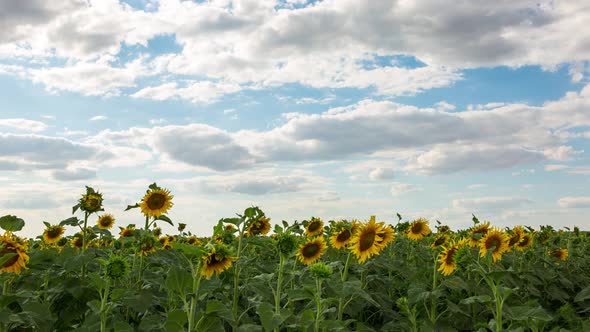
[[117, 267], [286, 243], [320, 270]]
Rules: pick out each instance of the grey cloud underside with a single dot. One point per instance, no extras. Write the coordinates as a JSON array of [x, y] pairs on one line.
[[74, 175]]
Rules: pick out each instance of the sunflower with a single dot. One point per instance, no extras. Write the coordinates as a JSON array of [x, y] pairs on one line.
[[516, 237], [156, 202], [105, 221], [385, 235], [18, 258], [525, 242], [311, 250], [53, 234], [157, 231], [127, 231], [448, 257], [495, 240], [418, 229], [147, 245], [367, 241], [559, 253], [165, 241], [444, 229], [343, 233], [477, 232], [439, 241], [77, 242], [314, 227], [216, 260], [193, 241], [260, 226], [91, 202]]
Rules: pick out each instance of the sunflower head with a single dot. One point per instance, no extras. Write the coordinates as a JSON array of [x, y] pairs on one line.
[[526, 241], [314, 227], [342, 234], [418, 229], [128, 231], [156, 202], [216, 259], [117, 267], [495, 242], [106, 221], [477, 232], [559, 254], [439, 241], [90, 202], [443, 229], [147, 245], [77, 241], [181, 227], [286, 243], [366, 241], [320, 270], [516, 236], [12, 252], [311, 250], [260, 226], [53, 234], [448, 257], [157, 231], [385, 235], [193, 241], [165, 241]]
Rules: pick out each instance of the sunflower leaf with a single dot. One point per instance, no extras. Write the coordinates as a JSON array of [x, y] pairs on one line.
[[129, 207], [583, 295], [73, 221], [165, 219], [7, 257], [11, 223]]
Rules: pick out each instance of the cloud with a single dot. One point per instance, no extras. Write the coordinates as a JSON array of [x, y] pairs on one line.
[[551, 168], [574, 202], [23, 124], [490, 203], [398, 188], [381, 174], [196, 91], [98, 118], [74, 174]]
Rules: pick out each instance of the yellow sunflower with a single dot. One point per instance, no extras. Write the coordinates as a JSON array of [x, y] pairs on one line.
[[559, 254], [77, 242], [366, 241], [156, 202], [525, 242], [311, 250], [495, 240], [516, 237], [165, 241], [91, 202], [216, 260], [448, 257], [439, 241], [105, 221], [418, 229], [314, 227], [53, 234], [147, 245], [477, 232], [193, 241], [261, 226], [385, 235], [18, 258], [127, 231], [343, 233], [157, 231]]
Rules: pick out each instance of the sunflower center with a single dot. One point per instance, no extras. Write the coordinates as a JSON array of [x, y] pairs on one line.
[[439, 241], [310, 250], [12, 260], [156, 201], [105, 222], [366, 241], [493, 242], [314, 226], [343, 236], [525, 241], [450, 254], [53, 233], [417, 228], [514, 239]]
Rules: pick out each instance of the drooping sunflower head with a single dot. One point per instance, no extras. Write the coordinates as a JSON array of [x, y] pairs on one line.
[[439, 241], [157, 231], [260, 226], [311, 250], [193, 241], [366, 241], [560, 254], [496, 242], [147, 245], [128, 231], [156, 202], [216, 259], [106, 221], [443, 229], [477, 232], [91, 201], [181, 227], [53, 234], [117, 267], [418, 229], [13, 253], [342, 234], [314, 227], [516, 236], [525, 242]]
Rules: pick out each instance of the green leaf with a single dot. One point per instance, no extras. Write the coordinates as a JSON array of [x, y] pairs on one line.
[[477, 299], [11, 223], [219, 309], [75, 208], [129, 207], [583, 295], [234, 221], [165, 219], [6, 257], [179, 280], [121, 326], [46, 224], [73, 221], [528, 312], [177, 316], [455, 283]]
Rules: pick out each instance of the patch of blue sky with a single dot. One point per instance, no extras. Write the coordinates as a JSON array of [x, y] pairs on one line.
[[528, 84], [145, 5], [158, 45], [403, 61], [294, 4]]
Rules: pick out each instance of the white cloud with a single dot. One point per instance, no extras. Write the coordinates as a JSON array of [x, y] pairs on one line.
[[381, 174], [490, 203], [98, 118], [551, 168], [574, 202], [74, 174], [197, 92], [23, 124], [398, 188]]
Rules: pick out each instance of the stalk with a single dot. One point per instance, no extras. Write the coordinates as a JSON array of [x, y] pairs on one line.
[[318, 302], [279, 285], [343, 277], [194, 297], [84, 232], [103, 304], [236, 282], [433, 304], [147, 223]]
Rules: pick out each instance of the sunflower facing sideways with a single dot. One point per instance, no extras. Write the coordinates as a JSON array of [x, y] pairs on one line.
[[156, 202], [560, 254], [495, 240], [216, 260], [418, 229], [260, 226], [516, 237], [53, 234], [106, 221], [448, 257], [477, 232], [311, 250], [525, 242], [342, 234], [18, 258], [314, 227]]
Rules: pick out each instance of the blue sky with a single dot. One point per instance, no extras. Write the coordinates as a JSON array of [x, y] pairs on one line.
[[334, 109]]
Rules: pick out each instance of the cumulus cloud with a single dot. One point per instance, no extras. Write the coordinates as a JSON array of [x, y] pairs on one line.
[[398, 188], [490, 203], [74, 174], [381, 174], [574, 202], [23, 124]]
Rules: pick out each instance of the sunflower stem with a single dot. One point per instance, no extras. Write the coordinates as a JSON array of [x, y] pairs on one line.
[[343, 277], [147, 222], [237, 280], [84, 232], [103, 304], [318, 302], [433, 303], [194, 297], [279, 286]]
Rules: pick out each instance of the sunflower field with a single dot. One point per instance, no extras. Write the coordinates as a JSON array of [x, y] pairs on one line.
[[313, 275]]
